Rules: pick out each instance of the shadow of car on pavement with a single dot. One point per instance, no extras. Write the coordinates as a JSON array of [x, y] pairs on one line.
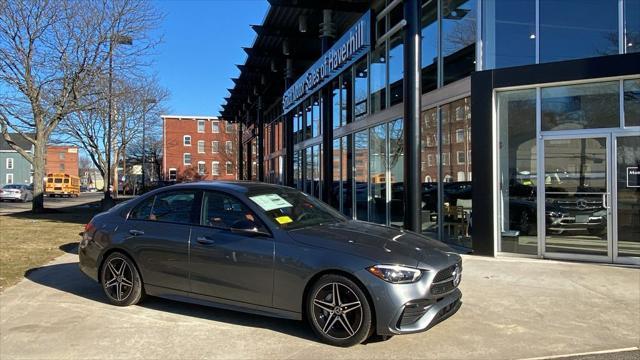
[[67, 277]]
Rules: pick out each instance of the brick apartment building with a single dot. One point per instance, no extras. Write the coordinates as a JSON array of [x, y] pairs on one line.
[[62, 159], [198, 148]]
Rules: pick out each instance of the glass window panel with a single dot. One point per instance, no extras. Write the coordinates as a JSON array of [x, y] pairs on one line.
[[360, 90], [347, 175], [335, 103], [429, 173], [396, 68], [308, 176], [458, 39], [584, 106], [378, 79], [378, 174], [308, 120], [361, 174], [346, 97], [429, 45], [456, 177], [315, 109], [337, 175], [396, 170], [628, 197], [317, 165], [516, 115], [509, 33], [632, 102], [632, 25], [572, 29]]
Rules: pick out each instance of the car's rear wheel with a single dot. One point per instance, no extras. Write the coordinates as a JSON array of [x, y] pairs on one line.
[[120, 280], [338, 311]]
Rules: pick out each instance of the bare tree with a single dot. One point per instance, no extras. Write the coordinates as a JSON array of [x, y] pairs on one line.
[[51, 54], [88, 128]]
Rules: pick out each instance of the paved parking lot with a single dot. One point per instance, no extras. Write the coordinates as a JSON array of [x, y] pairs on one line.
[[513, 308]]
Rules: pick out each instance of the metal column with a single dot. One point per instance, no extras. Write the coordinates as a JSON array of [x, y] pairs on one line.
[[288, 132], [327, 31], [412, 104]]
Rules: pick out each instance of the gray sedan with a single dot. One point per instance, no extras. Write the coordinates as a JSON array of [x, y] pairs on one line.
[[16, 192], [275, 251]]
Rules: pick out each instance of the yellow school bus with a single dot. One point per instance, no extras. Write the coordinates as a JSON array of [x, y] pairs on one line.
[[62, 185]]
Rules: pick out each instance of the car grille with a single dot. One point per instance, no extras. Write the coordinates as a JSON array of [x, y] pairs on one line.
[[444, 280]]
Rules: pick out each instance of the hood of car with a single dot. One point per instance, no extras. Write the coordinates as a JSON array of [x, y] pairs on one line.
[[381, 244]]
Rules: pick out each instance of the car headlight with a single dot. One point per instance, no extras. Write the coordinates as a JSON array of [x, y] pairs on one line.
[[396, 274]]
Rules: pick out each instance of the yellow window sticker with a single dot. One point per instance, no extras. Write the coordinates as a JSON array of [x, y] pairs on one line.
[[283, 220]]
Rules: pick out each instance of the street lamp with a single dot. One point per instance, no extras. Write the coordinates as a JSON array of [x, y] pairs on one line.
[[145, 102], [114, 40]]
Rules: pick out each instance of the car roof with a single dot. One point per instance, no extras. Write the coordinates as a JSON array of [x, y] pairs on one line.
[[235, 186]]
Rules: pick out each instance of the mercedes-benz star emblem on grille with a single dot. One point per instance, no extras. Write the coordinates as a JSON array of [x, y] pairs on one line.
[[581, 204], [457, 275]]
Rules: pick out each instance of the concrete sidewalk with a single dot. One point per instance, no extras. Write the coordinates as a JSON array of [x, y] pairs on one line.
[[513, 308]]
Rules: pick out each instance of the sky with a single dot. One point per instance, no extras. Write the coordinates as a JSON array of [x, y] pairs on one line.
[[202, 43]]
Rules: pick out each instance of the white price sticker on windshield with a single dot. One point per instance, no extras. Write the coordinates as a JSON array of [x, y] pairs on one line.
[[270, 202]]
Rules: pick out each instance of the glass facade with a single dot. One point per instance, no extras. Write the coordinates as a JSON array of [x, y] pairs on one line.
[[458, 39], [568, 29], [570, 189]]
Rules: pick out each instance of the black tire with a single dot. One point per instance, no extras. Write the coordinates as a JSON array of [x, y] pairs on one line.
[[120, 280], [345, 322]]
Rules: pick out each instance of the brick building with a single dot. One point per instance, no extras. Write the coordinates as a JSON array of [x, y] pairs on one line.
[[62, 159], [198, 148]]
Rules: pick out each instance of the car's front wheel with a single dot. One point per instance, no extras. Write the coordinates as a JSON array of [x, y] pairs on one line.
[[120, 280], [339, 312]]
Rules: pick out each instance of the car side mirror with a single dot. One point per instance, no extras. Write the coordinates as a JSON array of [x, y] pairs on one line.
[[248, 228]]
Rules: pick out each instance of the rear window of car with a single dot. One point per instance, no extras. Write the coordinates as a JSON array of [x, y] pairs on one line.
[[13, 186]]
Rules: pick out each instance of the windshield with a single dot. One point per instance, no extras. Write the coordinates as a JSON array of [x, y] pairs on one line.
[[291, 209]]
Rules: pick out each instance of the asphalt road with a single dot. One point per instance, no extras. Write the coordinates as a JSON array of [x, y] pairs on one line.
[[7, 207]]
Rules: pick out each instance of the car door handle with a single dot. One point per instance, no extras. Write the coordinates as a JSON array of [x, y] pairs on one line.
[[136, 232], [204, 240]]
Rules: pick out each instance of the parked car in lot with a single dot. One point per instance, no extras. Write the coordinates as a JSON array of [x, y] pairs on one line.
[[272, 250], [16, 192]]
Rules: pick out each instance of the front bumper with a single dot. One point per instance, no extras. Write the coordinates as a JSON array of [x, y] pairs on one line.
[[410, 308]]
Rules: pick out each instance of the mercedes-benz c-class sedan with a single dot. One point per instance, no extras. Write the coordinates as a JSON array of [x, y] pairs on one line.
[[272, 250]]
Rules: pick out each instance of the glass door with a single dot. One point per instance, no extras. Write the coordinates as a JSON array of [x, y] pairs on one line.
[[577, 197], [626, 222]]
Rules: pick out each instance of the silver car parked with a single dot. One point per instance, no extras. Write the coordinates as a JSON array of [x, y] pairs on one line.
[[275, 251], [16, 192]]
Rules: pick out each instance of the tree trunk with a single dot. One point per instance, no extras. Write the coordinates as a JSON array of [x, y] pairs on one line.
[[40, 152]]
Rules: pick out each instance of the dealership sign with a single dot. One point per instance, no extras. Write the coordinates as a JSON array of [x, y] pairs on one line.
[[633, 177], [350, 47]]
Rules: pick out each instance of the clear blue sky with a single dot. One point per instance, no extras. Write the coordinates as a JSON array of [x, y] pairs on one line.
[[202, 42]]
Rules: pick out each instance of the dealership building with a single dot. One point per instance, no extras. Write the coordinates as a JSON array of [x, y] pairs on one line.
[[496, 126]]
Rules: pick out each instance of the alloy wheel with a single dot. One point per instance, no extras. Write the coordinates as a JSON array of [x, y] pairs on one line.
[[118, 281], [337, 310]]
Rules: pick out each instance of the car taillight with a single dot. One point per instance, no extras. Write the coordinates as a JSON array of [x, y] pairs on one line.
[[87, 235]]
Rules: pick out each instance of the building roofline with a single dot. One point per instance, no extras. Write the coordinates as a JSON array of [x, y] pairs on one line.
[[190, 117]]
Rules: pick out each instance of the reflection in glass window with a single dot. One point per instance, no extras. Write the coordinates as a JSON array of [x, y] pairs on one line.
[[378, 171], [396, 68], [346, 97], [360, 89], [458, 39], [509, 33], [378, 79], [632, 25], [518, 158], [308, 124], [335, 102], [315, 110], [429, 209], [429, 45], [361, 174], [347, 175], [396, 170], [337, 175], [584, 106], [632, 102], [572, 29]]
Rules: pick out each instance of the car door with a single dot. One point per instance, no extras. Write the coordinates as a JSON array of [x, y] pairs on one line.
[[229, 265], [158, 232]]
